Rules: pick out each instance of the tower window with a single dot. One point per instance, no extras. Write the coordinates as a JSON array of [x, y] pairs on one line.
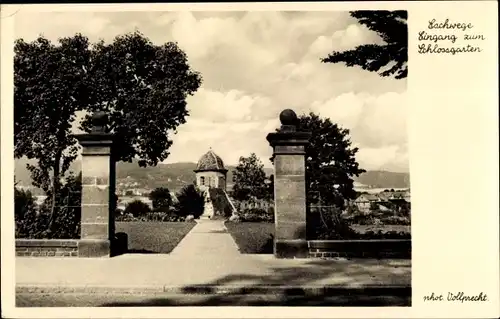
[[202, 180]]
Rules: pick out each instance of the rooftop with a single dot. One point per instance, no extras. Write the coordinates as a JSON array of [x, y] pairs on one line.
[[210, 162]]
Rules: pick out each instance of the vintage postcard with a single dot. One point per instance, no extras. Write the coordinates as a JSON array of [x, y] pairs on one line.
[[250, 160]]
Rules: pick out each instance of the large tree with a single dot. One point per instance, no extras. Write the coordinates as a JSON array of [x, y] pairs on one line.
[[330, 162], [249, 179], [389, 58], [141, 86], [49, 88]]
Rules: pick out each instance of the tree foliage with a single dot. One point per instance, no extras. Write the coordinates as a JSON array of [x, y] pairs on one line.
[[49, 88], [390, 58], [161, 198], [330, 162], [270, 187], [32, 221], [68, 209], [327, 223], [137, 208], [190, 201], [141, 86], [250, 179], [24, 203]]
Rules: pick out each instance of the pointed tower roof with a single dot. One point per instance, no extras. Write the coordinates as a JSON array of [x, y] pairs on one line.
[[210, 162]]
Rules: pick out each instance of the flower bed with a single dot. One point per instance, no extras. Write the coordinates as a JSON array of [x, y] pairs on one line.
[[254, 215], [150, 217]]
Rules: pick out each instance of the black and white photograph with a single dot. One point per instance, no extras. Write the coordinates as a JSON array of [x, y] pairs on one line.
[[211, 158], [250, 160]]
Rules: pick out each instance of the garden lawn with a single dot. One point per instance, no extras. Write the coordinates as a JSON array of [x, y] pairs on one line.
[[252, 238], [153, 237]]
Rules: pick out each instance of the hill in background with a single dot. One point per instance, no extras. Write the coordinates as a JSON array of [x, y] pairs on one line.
[[384, 179], [174, 176]]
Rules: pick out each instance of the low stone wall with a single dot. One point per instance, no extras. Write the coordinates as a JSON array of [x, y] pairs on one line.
[[383, 248], [47, 247]]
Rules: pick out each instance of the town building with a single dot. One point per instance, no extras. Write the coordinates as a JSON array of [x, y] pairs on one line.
[[364, 202]]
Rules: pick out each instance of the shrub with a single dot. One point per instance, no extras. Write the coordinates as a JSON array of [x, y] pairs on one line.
[[363, 219], [160, 198], [137, 208], [68, 210], [32, 222], [396, 220], [126, 218], [32, 226], [119, 212], [352, 210], [25, 214], [404, 209], [24, 203], [257, 215], [168, 216], [326, 223], [165, 215], [379, 218], [221, 204], [151, 217], [191, 201]]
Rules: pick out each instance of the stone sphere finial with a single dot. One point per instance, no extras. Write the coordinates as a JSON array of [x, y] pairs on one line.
[[99, 119], [288, 117]]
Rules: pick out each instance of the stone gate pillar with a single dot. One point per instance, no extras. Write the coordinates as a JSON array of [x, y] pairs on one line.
[[98, 189], [289, 187]]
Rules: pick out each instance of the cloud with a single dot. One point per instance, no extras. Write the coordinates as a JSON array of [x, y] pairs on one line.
[[377, 125], [345, 109], [233, 123], [391, 158], [200, 37], [385, 120], [255, 64], [229, 107], [342, 40], [373, 120], [230, 141], [58, 24]]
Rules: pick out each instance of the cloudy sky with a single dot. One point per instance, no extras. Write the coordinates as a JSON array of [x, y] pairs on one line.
[[254, 64]]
